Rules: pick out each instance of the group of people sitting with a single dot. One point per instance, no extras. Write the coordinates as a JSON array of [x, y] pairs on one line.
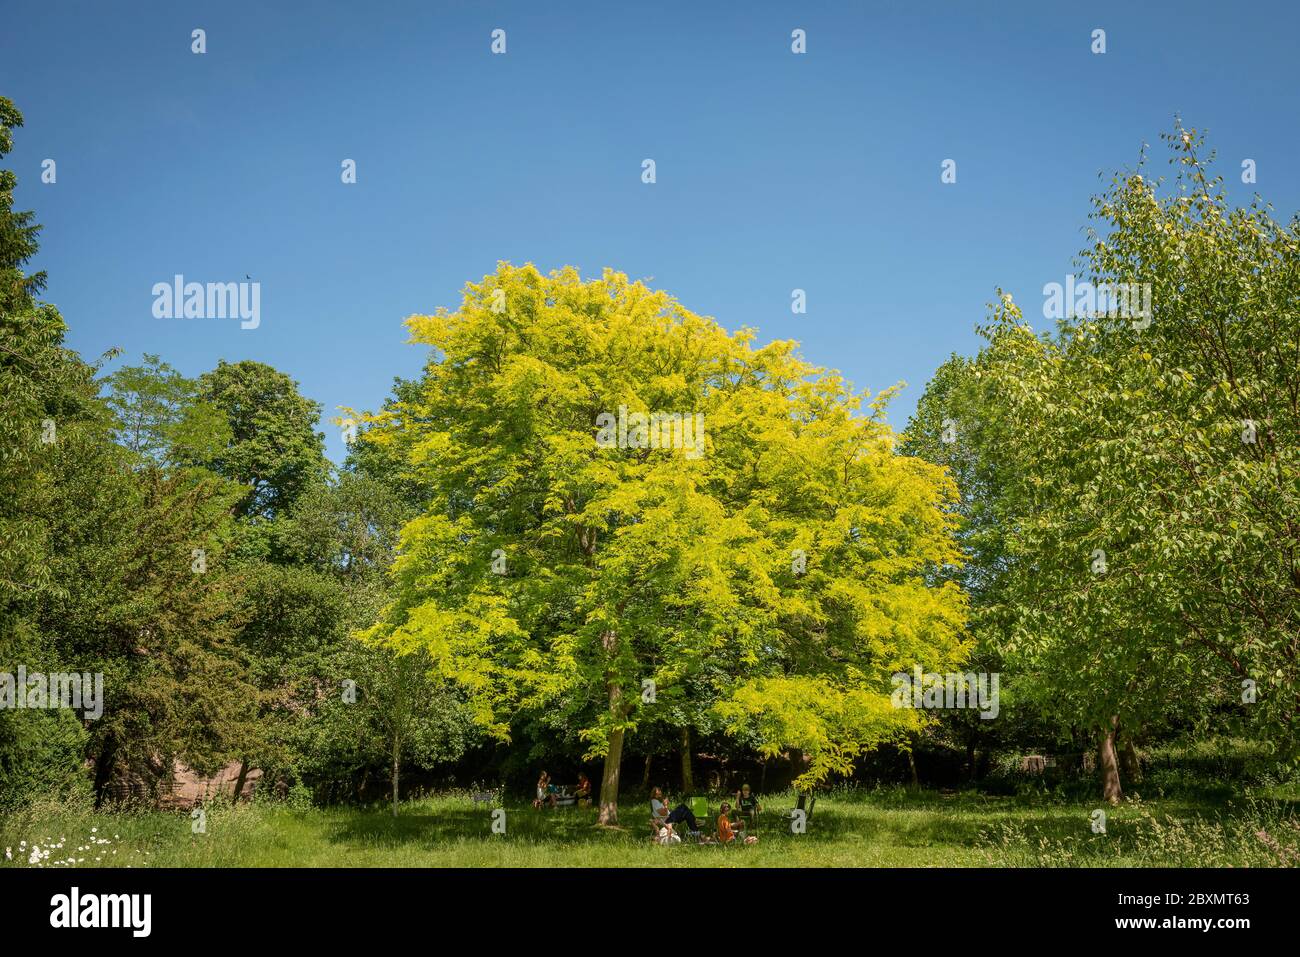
[[549, 794], [734, 826]]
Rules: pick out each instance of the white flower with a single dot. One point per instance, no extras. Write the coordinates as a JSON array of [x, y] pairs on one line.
[[36, 856]]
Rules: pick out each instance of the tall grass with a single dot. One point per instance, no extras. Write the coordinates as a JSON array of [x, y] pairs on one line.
[[888, 826]]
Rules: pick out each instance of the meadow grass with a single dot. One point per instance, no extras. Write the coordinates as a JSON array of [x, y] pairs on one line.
[[887, 827]]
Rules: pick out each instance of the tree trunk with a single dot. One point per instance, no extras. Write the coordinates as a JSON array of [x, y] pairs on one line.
[[1108, 765], [614, 754], [911, 767], [397, 761], [104, 770], [1128, 759], [799, 762], [645, 777], [239, 781], [609, 779], [688, 778]]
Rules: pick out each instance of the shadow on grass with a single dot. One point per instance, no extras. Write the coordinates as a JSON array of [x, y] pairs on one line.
[[947, 822], [450, 822]]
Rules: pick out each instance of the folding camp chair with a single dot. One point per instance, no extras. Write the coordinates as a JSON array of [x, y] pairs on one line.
[[700, 808]]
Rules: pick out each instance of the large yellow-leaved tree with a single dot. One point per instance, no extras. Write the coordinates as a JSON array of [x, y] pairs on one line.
[[627, 501]]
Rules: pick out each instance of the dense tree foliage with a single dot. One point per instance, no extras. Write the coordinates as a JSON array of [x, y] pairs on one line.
[[776, 556], [1131, 478]]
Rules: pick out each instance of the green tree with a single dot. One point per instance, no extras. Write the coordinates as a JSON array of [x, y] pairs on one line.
[[45, 393], [394, 716], [141, 592], [338, 541], [552, 573], [274, 451], [18, 230], [951, 428], [1144, 505], [160, 417], [42, 387]]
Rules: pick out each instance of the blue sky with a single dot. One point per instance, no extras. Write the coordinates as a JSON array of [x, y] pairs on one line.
[[775, 171]]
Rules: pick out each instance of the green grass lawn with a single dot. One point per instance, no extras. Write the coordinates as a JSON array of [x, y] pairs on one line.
[[850, 828]]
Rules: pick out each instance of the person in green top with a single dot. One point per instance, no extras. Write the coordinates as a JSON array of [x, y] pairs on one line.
[[747, 807]]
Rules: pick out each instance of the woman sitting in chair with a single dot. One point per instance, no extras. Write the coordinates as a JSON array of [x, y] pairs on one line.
[[545, 791], [660, 815]]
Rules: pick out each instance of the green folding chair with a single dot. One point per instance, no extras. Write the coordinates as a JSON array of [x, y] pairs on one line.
[[700, 808]]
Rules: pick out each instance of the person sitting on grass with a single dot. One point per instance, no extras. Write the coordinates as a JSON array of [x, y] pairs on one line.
[[747, 807], [668, 836], [583, 791], [545, 791], [660, 814], [729, 833]]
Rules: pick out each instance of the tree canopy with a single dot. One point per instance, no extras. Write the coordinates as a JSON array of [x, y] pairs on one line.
[[1133, 477], [782, 548]]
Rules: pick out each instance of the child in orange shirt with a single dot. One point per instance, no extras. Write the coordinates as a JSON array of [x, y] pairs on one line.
[[727, 834]]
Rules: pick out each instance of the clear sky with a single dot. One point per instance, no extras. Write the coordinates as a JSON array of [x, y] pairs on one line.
[[775, 171]]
